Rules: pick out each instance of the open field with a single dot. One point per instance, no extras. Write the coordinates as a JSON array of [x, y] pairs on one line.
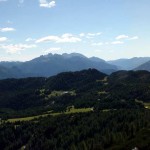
[[72, 110], [102, 93], [27, 118]]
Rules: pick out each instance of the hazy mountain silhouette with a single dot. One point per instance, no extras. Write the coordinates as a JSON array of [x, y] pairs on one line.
[[52, 64], [129, 64], [145, 66]]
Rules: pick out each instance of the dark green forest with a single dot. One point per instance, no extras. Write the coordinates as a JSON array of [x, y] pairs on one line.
[[115, 130], [118, 120]]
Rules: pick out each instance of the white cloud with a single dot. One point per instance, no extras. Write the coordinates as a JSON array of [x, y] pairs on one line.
[[97, 44], [68, 38], [117, 42], [3, 39], [47, 4], [16, 48], [6, 29], [106, 43], [134, 38], [48, 39], [29, 39], [94, 34], [82, 34], [122, 37], [89, 35], [65, 38], [52, 49]]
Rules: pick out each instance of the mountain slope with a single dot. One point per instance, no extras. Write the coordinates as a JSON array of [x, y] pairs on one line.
[[129, 64], [10, 64], [82, 89], [145, 66], [132, 86], [35, 92], [12, 72], [4, 72]]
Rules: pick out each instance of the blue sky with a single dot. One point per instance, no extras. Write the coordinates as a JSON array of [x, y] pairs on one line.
[[109, 29]]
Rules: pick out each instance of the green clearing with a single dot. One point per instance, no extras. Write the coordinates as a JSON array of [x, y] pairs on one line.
[[27, 118], [70, 111], [107, 110], [79, 110], [55, 93], [60, 93], [74, 110], [42, 92], [102, 93], [104, 80], [146, 105]]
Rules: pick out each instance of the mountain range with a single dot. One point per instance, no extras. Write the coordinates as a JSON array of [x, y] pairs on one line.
[[52, 64]]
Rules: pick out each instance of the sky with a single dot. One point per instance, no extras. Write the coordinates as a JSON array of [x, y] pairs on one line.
[[108, 29]]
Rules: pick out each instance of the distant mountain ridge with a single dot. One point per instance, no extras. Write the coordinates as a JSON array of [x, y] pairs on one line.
[[129, 64], [52, 64], [12, 72], [145, 66]]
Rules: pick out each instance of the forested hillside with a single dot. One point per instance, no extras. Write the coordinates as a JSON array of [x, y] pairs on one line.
[[82, 110], [87, 88], [113, 130]]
